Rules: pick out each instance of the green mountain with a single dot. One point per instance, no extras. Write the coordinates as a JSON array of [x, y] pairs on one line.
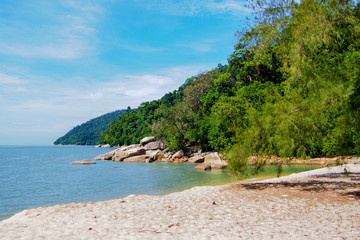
[[89, 133]]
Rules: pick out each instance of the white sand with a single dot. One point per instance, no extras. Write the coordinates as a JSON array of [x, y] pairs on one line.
[[319, 171], [220, 212]]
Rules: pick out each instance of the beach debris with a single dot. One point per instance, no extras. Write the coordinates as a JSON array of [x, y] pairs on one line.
[[174, 225]]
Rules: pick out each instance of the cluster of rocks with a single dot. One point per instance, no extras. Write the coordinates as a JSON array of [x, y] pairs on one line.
[[104, 146], [150, 150]]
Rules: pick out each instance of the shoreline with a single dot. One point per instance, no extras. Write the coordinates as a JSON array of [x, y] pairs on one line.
[[229, 211]]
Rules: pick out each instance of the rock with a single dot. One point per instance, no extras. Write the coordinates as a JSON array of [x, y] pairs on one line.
[[215, 161], [146, 140], [141, 158], [106, 146], [155, 155], [196, 159], [166, 160], [83, 162], [179, 154], [355, 160], [120, 155], [155, 145], [203, 167], [106, 156], [181, 160], [125, 148]]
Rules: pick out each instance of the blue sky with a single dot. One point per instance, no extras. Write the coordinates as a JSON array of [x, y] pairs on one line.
[[63, 62]]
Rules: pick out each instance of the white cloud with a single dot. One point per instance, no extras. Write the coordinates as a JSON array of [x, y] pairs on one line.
[[53, 106], [227, 6], [57, 36], [8, 79], [194, 7], [71, 49]]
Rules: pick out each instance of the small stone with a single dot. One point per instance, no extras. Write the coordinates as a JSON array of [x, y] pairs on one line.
[[83, 162]]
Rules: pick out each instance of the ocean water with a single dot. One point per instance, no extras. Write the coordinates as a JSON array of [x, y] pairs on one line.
[[34, 176]]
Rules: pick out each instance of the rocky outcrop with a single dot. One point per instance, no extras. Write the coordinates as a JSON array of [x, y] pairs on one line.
[[121, 155], [215, 161], [178, 154], [83, 162], [196, 159], [141, 158], [203, 167], [126, 148], [150, 150], [106, 156], [146, 140], [155, 145], [155, 155]]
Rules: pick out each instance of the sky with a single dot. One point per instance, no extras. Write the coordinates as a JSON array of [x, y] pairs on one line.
[[64, 62]]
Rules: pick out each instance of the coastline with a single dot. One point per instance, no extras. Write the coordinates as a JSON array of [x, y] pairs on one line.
[[210, 212]]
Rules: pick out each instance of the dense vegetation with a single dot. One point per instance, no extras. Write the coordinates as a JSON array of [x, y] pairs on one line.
[[88, 133], [291, 89], [134, 124]]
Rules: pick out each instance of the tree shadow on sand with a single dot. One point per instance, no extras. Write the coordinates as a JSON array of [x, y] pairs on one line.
[[343, 183]]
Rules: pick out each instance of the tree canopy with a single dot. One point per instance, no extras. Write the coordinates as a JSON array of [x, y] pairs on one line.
[[291, 89]]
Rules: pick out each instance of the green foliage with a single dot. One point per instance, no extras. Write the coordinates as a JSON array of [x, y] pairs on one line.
[[291, 89], [316, 111], [88, 133], [135, 124]]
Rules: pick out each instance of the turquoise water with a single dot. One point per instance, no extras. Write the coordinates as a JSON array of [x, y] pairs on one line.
[[42, 176]]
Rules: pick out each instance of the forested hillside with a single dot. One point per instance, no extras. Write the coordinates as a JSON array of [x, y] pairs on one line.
[[89, 133], [291, 89]]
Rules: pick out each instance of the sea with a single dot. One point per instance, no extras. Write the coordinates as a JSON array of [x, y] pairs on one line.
[[34, 176]]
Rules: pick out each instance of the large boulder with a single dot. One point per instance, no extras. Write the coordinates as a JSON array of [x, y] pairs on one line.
[[215, 161], [125, 148], [141, 158], [83, 162], [178, 154], [155, 145], [203, 167], [196, 159], [155, 155], [146, 140], [120, 155], [106, 156]]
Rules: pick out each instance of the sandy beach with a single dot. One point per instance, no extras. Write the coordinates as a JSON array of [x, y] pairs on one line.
[[319, 204]]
